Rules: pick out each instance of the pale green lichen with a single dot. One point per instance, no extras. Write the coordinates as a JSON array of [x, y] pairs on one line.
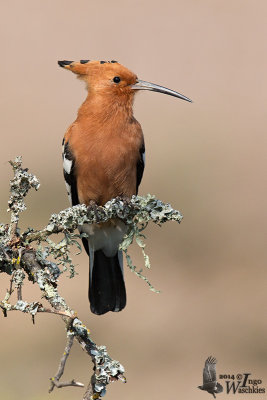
[[18, 277], [26, 307], [106, 368], [137, 212]]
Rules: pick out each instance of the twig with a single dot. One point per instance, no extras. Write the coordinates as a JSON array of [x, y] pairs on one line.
[[19, 293], [11, 290], [88, 395], [65, 384], [20, 277], [55, 379], [30, 308]]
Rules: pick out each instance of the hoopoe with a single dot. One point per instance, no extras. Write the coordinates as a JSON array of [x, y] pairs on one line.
[[104, 157]]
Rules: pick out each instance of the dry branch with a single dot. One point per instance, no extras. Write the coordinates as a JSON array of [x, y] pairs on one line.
[[44, 263]]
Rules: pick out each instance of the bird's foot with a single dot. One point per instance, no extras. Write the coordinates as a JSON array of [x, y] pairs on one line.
[[92, 206], [126, 199]]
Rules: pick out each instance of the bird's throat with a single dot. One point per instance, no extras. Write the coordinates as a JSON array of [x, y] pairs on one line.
[[107, 107]]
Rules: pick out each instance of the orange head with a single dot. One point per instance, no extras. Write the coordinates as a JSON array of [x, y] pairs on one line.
[[110, 77]]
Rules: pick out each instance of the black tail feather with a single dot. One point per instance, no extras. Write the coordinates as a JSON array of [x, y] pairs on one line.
[[106, 284]]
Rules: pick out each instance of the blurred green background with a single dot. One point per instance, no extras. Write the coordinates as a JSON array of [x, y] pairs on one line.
[[208, 159]]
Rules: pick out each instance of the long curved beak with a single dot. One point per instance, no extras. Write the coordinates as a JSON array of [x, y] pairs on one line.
[[143, 85]]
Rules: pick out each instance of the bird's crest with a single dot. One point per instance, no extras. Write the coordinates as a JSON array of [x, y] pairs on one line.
[[83, 67]]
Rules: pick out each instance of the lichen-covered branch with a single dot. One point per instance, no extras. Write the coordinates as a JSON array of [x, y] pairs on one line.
[[34, 255], [19, 187]]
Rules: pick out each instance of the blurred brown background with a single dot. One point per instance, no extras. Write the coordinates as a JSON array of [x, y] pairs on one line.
[[207, 159]]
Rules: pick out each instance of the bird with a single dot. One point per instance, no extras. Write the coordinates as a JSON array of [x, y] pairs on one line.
[[210, 383], [103, 154]]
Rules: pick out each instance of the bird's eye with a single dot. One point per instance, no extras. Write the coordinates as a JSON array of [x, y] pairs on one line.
[[116, 79]]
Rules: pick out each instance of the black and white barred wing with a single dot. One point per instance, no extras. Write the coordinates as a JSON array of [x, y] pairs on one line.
[[69, 173]]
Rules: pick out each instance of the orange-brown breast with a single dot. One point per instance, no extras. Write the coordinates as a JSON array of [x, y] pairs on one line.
[[106, 156]]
